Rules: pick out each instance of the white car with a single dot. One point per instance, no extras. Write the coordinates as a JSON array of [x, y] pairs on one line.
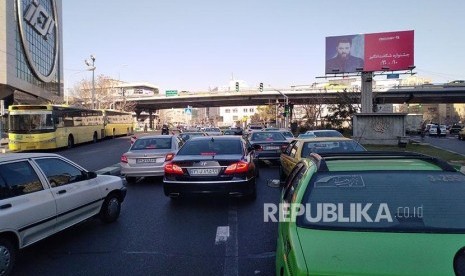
[[432, 129], [42, 194]]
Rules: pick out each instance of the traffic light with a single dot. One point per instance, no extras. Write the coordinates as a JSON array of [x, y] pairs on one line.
[[237, 86], [287, 110], [261, 87]]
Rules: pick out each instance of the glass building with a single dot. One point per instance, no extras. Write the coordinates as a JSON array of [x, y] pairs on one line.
[[31, 52]]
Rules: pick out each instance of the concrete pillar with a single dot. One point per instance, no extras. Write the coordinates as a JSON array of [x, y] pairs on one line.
[[367, 92]]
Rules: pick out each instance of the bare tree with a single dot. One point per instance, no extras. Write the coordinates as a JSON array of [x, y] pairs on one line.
[[342, 111], [107, 94]]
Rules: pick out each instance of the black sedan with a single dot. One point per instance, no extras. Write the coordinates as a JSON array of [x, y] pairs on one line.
[[270, 144], [219, 164]]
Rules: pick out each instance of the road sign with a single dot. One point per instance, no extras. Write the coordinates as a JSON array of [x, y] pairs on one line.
[[392, 76], [171, 93], [188, 110]]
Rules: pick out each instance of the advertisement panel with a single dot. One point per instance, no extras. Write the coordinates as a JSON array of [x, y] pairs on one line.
[[388, 51], [344, 54]]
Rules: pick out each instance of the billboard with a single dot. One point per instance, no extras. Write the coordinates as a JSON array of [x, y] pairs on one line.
[[369, 52]]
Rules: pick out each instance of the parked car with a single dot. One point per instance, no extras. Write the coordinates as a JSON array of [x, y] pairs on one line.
[[455, 128], [44, 193], [372, 213], [148, 156], [432, 130], [269, 144], [325, 133], [301, 148], [217, 164]]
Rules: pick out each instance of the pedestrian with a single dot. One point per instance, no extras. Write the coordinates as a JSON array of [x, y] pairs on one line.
[[145, 128], [439, 131]]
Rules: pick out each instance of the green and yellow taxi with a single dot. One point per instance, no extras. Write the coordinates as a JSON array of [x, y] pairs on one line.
[[303, 147], [371, 213]]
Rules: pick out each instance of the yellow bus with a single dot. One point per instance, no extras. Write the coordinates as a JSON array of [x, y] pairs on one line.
[[118, 123], [38, 127]]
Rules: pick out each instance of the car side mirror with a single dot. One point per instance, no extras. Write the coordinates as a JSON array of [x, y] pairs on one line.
[[91, 175]]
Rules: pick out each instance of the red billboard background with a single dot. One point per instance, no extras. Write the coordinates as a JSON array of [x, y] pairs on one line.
[[388, 51]]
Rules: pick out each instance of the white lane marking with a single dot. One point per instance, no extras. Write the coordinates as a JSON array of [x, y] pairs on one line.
[[222, 234], [231, 261]]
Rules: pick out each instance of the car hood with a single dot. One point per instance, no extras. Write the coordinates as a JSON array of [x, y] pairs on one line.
[[375, 253]]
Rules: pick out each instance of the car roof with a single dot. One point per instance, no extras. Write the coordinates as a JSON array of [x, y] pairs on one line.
[[217, 138], [377, 161], [324, 139], [155, 136], [22, 155]]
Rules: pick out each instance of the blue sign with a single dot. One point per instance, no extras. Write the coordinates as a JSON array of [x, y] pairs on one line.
[[392, 76], [188, 111]]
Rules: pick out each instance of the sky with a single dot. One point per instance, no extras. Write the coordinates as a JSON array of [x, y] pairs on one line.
[[194, 45]]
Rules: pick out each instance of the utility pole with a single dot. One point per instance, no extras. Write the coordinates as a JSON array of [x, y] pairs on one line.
[[92, 68]]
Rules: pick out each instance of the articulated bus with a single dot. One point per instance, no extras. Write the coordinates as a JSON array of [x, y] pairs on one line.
[[118, 123], [38, 127]]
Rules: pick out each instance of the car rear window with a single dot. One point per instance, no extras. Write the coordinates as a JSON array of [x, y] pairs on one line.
[[267, 136], [327, 134], [330, 146], [211, 147], [398, 201], [152, 143]]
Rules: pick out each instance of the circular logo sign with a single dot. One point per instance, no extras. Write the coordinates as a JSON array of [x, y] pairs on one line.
[[38, 27]]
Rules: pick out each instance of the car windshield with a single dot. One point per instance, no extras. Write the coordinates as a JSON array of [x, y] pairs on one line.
[[211, 147], [151, 143], [330, 146], [399, 201], [267, 136]]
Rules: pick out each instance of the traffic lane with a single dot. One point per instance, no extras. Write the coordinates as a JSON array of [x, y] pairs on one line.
[[257, 238], [153, 236], [450, 142], [96, 156]]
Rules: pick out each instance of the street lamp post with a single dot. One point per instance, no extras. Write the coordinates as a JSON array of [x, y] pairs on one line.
[[92, 68]]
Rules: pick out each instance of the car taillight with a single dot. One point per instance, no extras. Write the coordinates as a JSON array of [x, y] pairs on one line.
[[239, 167], [169, 157], [173, 169], [124, 159]]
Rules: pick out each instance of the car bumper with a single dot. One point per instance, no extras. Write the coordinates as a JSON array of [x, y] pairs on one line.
[[123, 192], [142, 171], [263, 155], [235, 188]]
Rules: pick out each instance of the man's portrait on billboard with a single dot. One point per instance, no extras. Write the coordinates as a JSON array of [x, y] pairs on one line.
[[344, 54]]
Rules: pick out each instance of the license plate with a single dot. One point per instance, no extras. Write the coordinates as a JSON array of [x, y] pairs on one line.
[[271, 148], [204, 171], [146, 160]]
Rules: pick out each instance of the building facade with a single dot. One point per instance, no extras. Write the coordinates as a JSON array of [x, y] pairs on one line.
[[31, 51]]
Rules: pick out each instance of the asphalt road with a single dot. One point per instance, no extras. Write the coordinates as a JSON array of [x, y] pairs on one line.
[[450, 142], [155, 236]]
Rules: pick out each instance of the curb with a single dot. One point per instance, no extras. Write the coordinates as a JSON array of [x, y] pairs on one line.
[[112, 170]]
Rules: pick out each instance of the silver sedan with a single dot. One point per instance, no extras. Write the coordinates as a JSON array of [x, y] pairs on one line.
[[147, 156]]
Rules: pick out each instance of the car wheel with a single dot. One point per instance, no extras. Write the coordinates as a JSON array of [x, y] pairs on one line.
[[111, 209], [253, 195], [282, 176], [7, 256], [131, 179], [70, 142]]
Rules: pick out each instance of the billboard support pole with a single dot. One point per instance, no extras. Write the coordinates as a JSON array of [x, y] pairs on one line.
[[367, 92]]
